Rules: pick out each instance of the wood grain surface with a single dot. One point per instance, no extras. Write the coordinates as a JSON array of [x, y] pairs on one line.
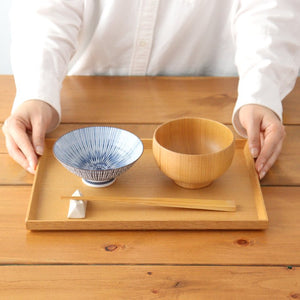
[[149, 282], [278, 245], [156, 99], [210, 264]]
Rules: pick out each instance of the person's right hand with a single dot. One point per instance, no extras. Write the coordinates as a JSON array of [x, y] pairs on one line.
[[25, 132]]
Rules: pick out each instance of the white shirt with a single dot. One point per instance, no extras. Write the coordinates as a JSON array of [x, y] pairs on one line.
[[257, 40]]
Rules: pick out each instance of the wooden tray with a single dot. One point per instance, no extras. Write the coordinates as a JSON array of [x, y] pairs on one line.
[[47, 211]]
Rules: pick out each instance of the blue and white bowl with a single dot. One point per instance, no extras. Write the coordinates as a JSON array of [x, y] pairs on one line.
[[98, 154]]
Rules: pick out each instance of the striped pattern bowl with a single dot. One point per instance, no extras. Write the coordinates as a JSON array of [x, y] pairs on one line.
[[98, 154]]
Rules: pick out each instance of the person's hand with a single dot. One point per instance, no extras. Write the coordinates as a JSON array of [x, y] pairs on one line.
[[25, 132], [265, 135]]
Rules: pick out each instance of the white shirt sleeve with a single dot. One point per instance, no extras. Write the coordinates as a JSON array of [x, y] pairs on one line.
[[44, 38], [267, 38]]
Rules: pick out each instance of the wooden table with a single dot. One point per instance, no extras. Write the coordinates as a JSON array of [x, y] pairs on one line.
[[151, 264]]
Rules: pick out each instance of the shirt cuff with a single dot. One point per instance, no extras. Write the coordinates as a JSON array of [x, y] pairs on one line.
[[262, 92], [39, 90]]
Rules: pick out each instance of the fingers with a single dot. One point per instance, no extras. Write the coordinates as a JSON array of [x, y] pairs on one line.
[[19, 145], [265, 135], [274, 136], [33, 116], [16, 154]]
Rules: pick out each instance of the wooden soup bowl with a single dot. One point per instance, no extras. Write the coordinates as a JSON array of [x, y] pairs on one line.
[[193, 151]]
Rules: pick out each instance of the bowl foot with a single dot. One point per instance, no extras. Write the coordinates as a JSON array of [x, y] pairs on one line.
[[193, 185], [98, 184]]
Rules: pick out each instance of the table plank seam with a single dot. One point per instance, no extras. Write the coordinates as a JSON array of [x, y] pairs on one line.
[[151, 264]]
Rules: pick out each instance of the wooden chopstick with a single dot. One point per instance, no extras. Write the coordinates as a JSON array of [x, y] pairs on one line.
[[217, 205]]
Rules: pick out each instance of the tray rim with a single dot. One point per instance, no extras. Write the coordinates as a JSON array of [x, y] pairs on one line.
[[82, 224]]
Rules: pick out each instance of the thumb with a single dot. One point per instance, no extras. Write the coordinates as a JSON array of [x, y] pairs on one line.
[[38, 136], [253, 132]]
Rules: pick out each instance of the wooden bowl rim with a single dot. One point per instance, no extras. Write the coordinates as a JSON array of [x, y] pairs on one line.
[[193, 155]]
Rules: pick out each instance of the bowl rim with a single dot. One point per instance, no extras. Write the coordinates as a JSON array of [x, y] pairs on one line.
[[93, 170], [199, 154]]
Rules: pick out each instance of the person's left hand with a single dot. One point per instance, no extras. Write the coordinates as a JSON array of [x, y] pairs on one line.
[[265, 135]]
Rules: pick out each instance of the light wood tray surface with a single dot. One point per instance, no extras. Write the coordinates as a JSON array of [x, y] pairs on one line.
[[47, 211]]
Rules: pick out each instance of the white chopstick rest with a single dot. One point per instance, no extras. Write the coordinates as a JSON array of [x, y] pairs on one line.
[[77, 208]]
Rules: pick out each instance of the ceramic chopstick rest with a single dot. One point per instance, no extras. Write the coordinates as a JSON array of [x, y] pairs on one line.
[[77, 208]]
